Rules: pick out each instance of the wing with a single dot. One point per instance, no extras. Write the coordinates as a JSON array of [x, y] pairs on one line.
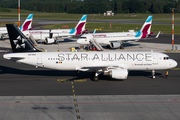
[[115, 71], [147, 38], [99, 68]]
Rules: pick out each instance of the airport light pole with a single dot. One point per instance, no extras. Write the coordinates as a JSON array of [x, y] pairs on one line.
[[19, 12], [172, 28]]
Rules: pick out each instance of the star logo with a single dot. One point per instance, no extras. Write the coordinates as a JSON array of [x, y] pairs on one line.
[[19, 42]]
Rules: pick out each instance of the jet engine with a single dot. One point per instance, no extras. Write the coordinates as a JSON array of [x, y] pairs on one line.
[[118, 73], [50, 39], [115, 45]]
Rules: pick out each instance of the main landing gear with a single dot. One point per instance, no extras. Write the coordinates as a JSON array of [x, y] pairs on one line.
[[108, 46], [121, 47], [95, 76]]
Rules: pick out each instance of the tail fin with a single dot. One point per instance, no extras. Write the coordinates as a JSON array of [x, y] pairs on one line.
[[146, 28], [27, 23], [80, 27], [19, 42]]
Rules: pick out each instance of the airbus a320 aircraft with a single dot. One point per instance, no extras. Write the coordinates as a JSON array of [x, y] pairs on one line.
[[51, 36], [25, 26], [115, 64], [116, 39]]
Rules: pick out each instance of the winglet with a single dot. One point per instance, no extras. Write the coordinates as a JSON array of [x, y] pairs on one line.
[[158, 34], [94, 31]]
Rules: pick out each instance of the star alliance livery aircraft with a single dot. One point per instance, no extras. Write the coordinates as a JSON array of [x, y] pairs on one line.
[[115, 64], [116, 39], [25, 26]]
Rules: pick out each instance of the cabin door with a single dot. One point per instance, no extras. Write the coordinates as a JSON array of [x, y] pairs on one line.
[[39, 60], [155, 59]]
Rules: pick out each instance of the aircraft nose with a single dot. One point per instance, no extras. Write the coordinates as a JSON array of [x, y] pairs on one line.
[[174, 63], [78, 41]]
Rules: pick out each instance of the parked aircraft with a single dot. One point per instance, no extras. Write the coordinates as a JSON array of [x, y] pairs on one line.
[[25, 26], [115, 64], [52, 35], [116, 39]]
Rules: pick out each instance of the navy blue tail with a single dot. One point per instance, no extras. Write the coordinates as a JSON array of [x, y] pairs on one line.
[[18, 40]]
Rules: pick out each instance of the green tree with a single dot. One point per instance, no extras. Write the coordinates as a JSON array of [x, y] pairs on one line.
[[167, 8]]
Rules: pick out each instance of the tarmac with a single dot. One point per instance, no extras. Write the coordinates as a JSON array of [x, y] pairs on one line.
[[104, 107]]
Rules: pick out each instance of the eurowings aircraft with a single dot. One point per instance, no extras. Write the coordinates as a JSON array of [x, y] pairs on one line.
[[25, 26], [116, 39], [51, 36], [115, 64]]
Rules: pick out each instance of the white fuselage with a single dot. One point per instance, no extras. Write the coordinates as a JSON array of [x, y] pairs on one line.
[[3, 30], [93, 60], [107, 38], [43, 34]]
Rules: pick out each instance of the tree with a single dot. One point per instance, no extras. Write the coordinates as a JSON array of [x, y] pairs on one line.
[[167, 8]]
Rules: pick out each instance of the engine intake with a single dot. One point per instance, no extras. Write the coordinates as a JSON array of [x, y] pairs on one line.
[[115, 44], [49, 40], [118, 73]]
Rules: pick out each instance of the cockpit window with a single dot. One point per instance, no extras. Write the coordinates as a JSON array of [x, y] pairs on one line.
[[83, 38], [166, 58]]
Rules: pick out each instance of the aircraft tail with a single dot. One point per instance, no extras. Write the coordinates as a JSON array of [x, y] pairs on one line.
[[80, 27], [27, 23], [19, 43], [146, 28]]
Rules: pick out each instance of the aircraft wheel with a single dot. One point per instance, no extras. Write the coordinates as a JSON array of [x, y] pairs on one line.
[[121, 47], [56, 42], [95, 78]]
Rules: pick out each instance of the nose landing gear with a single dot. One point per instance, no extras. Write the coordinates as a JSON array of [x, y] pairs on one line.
[[153, 74]]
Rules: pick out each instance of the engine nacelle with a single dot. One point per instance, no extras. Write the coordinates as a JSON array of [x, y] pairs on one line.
[[118, 73], [49, 40], [115, 44]]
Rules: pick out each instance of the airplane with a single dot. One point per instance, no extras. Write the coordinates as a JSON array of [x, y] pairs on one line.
[[52, 35], [25, 26], [116, 39], [114, 64]]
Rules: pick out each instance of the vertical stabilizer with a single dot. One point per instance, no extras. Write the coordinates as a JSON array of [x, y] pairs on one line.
[[146, 28], [27, 23], [80, 27], [19, 42]]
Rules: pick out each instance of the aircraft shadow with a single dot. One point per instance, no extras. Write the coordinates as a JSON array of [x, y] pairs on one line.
[[4, 39], [67, 41], [74, 74], [126, 45], [5, 48], [43, 72]]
